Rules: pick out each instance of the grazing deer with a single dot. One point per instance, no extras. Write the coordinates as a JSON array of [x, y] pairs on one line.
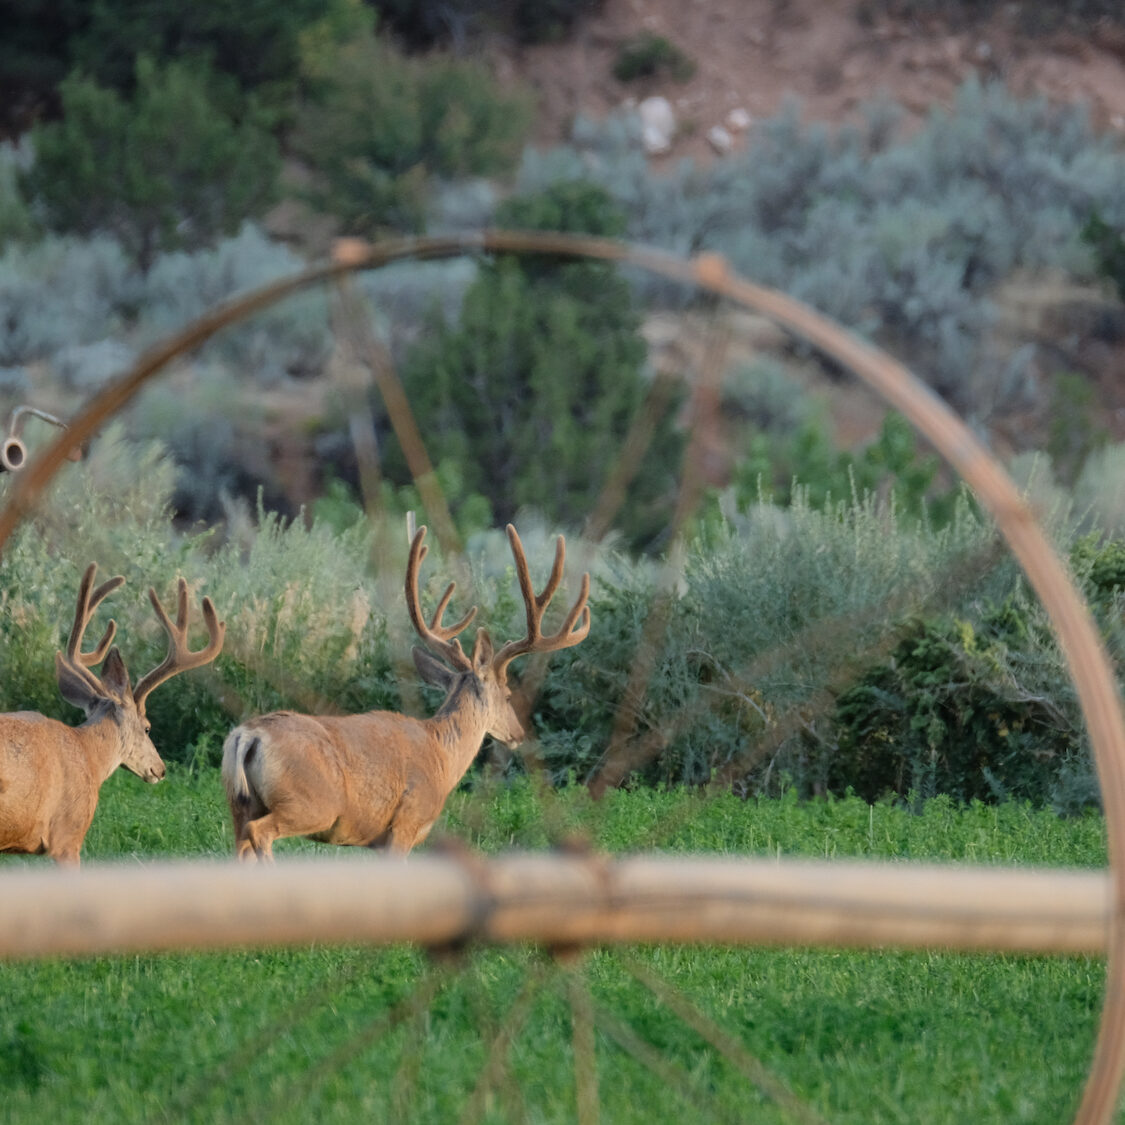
[[50, 773], [380, 779]]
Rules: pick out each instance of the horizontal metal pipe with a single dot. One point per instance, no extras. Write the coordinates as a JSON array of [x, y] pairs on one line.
[[552, 898]]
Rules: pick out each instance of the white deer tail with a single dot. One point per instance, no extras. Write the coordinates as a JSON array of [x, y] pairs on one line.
[[239, 746]]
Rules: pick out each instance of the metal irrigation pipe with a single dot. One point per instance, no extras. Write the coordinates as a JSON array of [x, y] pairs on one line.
[[557, 898], [1086, 658]]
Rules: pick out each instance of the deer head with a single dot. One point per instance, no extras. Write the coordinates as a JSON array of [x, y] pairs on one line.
[[484, 673], [109, 695]]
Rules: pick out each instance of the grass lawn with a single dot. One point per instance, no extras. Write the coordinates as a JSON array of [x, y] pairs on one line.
[[345, 1034]]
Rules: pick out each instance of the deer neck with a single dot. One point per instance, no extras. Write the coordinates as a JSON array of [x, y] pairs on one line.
[[101, 745], [459, 728]]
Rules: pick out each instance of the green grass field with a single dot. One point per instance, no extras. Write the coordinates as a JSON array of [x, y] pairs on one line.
[[346, 1035]]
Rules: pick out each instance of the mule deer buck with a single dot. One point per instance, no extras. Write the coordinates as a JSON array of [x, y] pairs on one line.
[[50, 773], [380, 779]]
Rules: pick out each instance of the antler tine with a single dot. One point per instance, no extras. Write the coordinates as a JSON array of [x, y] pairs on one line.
[[439, 638], [88, 602], [180, 658], [573, 629]]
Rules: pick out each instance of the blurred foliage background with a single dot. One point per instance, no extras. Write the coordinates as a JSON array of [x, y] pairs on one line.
[[832, 614]]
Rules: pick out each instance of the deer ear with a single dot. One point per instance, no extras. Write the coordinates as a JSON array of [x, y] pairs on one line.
[[72, 687], [432, 670], [115, 675], [482, 651]]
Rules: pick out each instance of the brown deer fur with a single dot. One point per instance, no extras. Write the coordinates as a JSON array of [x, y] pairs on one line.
[[51, 773]]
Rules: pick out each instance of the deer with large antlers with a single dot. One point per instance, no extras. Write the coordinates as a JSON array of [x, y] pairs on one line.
[[51, 773], [380, 779]]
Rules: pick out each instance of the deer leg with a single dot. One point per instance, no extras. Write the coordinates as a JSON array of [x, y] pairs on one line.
[[242, 812], [280, 822], [260, 835], [243, 849], [406, 834]]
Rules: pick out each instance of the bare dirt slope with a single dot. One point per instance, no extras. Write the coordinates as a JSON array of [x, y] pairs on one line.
[[752, 54]]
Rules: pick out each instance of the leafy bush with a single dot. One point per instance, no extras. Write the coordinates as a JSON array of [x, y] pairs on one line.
[[210, 428], [427, 22], [1076, 429], [806, 459], [1109, 250], [532, 392], [648, 56], [902, 237], [290, 338], [956, 710], [60, 292], [177, 165], [377, 126], [256, 42], [16, 223], [772, 609]]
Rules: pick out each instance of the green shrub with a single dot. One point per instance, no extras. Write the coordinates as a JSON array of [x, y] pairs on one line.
[[1100, 563], [174, 166], [62, 292], [774, 612], [16, 223], [1108, 243], [1076, 428], [340, 507], [256, 42], [377, 125], [456, 22], [650, 56], [533, 390], [806, 458], [953, 712], [540, 21]]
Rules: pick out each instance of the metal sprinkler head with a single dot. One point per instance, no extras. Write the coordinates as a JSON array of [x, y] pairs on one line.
[[13, 452]]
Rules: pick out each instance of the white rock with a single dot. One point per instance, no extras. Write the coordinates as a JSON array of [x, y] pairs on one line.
[[658, 124], [719, 139], [739, 120], [654, 140]]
